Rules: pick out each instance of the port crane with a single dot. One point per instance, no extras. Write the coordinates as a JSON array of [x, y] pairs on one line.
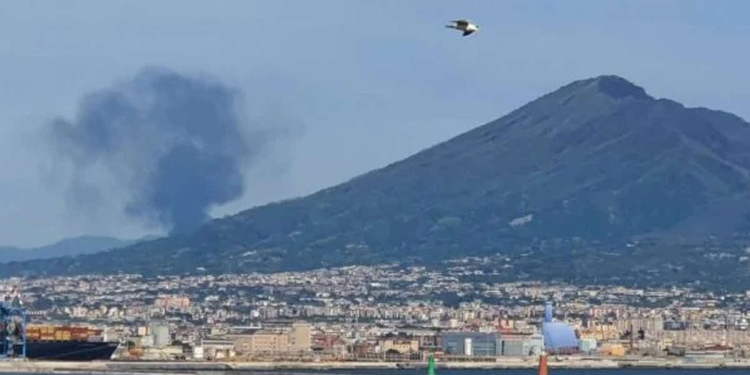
[[13, 319]]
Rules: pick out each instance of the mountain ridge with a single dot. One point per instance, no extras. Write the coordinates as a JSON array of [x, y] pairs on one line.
[[572, 177], [85, 244]]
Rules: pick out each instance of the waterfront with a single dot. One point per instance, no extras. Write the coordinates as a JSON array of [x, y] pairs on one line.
[[330, 327], [440, 372], [369, 368]]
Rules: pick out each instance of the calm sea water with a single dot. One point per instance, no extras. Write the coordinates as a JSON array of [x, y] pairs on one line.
[[471, 372], [520, 372]]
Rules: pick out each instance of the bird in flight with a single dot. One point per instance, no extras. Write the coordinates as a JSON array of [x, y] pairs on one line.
[[463, 25]]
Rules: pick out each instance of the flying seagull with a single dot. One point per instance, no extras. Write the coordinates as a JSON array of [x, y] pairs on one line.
[[463, 25]]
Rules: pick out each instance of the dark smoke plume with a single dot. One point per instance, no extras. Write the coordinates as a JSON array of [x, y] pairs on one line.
[[176, 144]]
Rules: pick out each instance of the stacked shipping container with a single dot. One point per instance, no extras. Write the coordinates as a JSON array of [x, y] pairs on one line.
[[61, 333]]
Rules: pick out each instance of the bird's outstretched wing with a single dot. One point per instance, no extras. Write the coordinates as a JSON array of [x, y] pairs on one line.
[[467, 32], [461, 23]]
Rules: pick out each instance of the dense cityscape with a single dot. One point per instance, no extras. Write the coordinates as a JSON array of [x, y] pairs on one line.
[[383, 313]]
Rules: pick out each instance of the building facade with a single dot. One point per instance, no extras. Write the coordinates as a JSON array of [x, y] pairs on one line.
[[478, 344], [522, 346], [400, 345], [294, 339]]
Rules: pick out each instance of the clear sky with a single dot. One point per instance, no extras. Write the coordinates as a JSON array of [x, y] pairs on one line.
[[362, 82]]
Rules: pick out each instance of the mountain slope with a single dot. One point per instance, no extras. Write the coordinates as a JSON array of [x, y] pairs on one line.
[[66, 247], [561, 185]]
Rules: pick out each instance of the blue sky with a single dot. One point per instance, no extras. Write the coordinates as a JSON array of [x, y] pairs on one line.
[[361, 83]]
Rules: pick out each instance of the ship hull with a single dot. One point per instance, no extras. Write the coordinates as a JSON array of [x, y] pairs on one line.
[[69, 350]]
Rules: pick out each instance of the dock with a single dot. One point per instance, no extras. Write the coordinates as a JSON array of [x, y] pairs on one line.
[[193, 367]]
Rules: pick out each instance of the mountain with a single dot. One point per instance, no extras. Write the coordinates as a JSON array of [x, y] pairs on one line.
[[595, 182], [66, 247]]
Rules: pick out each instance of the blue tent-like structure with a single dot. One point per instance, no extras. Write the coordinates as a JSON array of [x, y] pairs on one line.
[[559, 337]]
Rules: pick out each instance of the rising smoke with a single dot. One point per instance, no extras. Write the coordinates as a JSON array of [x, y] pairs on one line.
[[176, 144]]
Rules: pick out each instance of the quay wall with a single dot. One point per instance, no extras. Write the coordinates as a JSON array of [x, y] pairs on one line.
[[187, 367]]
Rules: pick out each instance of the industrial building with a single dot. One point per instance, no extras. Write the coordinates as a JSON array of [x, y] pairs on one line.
[[161, 336], [556, 338], [480, 344], [292, 339], [515, 346], [559, 337], [472, 344]]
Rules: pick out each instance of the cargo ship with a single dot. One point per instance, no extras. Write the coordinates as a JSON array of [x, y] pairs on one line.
[[47, 342], [66, 343]]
